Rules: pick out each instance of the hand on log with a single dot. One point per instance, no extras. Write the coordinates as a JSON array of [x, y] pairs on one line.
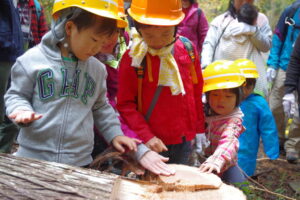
[[209, 168], [156, 164]]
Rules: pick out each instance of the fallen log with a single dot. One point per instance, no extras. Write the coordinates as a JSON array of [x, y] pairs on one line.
[[23, 178]]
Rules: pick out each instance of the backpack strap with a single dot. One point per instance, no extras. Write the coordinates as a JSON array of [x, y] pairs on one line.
[[189, 47], [153, 102], [289, 19], [199, 11], [140, 71], [140, 75]]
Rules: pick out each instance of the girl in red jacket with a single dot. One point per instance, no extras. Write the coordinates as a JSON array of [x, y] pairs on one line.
[[160, 81]]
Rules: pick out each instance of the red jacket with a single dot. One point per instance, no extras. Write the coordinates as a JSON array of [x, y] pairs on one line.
[[172, 116]]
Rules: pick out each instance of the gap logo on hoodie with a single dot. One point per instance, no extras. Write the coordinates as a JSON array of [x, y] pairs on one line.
[[69, 88]]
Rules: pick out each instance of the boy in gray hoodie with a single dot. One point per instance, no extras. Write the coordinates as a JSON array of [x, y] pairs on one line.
[[58, 90]]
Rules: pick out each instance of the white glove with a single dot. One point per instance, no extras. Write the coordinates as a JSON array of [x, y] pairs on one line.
[[238, 28], [288, 103], [201, 142], [271, 74]]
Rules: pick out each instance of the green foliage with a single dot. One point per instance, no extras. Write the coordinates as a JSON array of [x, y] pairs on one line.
[[47, 5]]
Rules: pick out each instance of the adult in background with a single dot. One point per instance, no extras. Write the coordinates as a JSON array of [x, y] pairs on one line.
[[260, 35], [194, 25], [285, 35], [11, 46], [33, 21], [291, 85]]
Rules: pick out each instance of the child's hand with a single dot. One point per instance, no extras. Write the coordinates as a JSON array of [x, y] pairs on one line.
[[156, 163], [24, 116], [120, 141], [155, 144], [209, 168]]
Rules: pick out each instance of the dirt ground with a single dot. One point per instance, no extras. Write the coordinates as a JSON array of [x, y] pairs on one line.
[[276, 176]]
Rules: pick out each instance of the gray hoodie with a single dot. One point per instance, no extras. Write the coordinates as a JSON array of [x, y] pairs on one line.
[[71, 100]]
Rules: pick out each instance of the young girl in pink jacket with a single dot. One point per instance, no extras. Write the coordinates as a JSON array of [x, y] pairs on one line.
[[222, 86]]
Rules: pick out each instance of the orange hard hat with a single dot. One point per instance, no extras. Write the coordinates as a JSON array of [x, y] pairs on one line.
[[157, 12]]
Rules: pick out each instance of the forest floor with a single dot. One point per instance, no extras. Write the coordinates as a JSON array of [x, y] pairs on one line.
[[274, 180]]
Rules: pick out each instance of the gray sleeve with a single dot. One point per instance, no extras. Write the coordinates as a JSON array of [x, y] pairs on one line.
[[262, 39], [209, 46], [19, 95], [105, 117], [142, 149]]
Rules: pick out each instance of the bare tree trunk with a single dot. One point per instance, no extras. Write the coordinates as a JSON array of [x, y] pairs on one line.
[[23, 178]]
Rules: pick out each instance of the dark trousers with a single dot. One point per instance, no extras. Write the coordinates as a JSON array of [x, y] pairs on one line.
[[233, 175], [8, 130], [178, 153]]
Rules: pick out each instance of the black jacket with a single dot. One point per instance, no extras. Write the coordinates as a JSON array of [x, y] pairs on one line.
[[11, 39], [292, 82]]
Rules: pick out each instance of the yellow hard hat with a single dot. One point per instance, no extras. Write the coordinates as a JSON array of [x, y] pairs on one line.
[[222, 74], [103, 8], [247, 67], [121, 10], [157, 12]]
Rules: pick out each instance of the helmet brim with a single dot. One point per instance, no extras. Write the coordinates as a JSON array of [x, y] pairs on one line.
[[159, 21]]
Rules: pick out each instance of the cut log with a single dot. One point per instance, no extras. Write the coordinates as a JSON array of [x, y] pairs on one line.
[[136, 190], [188, 178], [23, 178]]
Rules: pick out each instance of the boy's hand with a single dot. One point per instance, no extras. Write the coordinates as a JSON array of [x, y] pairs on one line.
[[24, 116], [209, 168], [156, 163], [155, 144], [120, 141]]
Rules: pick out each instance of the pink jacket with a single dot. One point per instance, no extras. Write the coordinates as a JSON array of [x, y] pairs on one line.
[[194, 26], [223, 132]]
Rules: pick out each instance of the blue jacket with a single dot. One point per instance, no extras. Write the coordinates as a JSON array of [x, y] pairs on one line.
[[11, 39], [283, 40], [259, 123]]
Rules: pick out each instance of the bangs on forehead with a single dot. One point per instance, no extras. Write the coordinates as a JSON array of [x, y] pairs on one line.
[[105, 25], [102, 25]]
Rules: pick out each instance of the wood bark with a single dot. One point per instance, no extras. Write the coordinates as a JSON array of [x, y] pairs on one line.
[[23, 178]]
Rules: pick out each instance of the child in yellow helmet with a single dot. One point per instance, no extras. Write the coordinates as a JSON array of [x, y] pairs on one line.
[[223, 88], [160, 83], [258, 121], [58, 88]]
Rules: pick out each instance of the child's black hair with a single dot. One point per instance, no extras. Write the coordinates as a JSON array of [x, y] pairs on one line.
[[86, 19], [250, 82], [247, 13]]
